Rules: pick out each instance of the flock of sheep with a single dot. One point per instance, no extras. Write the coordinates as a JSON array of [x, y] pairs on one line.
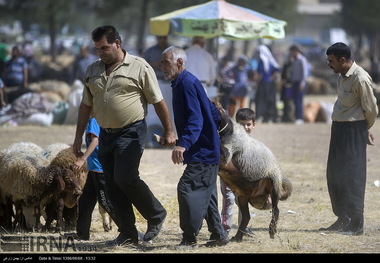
[[37, 182]]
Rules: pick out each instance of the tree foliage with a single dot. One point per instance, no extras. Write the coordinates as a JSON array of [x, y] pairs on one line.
[[283, 10], [360, 16], [360, 19]]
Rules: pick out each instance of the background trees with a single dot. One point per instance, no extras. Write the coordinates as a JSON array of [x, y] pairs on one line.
[[79, 17], [361, 20]]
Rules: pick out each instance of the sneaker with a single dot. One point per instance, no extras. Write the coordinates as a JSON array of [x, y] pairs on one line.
[[186, 245], [354, 228], [218, 242], [299, 122], [338, 225], [141, 238], [122, 240], [153, 230]]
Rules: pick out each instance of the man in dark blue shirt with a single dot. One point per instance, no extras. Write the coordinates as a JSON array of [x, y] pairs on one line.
[[197, 120], [15, 76]]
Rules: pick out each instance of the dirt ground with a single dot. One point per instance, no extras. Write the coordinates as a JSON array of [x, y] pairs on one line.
[[302, 153]]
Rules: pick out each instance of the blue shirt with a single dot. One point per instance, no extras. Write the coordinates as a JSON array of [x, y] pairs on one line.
[[14, 69], [196, 119], [93, 163], [266, 75], [81, 64], [240, 88]]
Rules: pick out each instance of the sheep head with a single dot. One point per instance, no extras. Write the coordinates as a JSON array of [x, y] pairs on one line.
[[65, 159], [226, 124], [225, 130], [73, 188], [61, 183]]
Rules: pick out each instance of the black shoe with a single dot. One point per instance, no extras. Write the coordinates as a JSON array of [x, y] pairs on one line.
[[123, 240], [218, 242], [354, 228], [153, 230], [338, 225], [186, 245]]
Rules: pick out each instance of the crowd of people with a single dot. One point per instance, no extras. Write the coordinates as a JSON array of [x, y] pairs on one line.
[[263, 82], [25, 74], [252, 83], [19, 67]]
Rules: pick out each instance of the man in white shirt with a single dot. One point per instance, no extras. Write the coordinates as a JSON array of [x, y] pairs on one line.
[[201, 63]]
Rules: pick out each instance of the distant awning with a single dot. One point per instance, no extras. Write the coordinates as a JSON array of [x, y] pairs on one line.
[[218, 18]]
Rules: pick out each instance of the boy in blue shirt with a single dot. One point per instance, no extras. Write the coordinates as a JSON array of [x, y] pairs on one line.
[[94, 184]]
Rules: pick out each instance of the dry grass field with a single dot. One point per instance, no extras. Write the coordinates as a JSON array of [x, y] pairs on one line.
[[302, 153]]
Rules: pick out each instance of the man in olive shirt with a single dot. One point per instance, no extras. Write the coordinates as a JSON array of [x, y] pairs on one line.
[[118, 88], [354, 114]]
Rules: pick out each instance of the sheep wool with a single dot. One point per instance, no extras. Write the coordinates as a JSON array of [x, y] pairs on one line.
[[51, 151], [23, 146], [32, 182], [65, 159]]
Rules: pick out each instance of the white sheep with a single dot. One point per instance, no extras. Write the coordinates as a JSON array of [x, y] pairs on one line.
[[23, 146], [27, 179], [48, 153], [44, 157], [28, 211], [251, 171]]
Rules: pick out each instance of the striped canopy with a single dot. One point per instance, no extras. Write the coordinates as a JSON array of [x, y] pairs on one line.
[[218, 18]]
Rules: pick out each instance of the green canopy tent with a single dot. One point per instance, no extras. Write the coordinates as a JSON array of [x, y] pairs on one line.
[[218, 19]]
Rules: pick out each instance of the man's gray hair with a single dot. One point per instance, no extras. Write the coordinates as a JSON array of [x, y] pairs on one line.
[[177, 53]]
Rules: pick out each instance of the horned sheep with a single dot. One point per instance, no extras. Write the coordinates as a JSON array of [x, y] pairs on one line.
[[61, 154], [27, 179]]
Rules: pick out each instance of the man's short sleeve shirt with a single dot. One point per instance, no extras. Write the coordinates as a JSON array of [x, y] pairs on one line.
[[122, 97]]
